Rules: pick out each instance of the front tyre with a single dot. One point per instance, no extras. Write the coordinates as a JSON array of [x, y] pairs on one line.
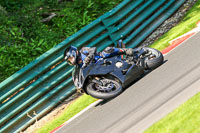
[[153, 58], [108, 90]]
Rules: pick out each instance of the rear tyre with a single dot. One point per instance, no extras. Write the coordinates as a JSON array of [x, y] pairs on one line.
[[153, 59], [109, 90]]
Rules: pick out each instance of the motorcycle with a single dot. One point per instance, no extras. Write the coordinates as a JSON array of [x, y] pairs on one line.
[[107, 78]]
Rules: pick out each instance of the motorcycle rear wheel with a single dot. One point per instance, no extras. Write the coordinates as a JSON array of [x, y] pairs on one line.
[[154, 61], [93, 90]]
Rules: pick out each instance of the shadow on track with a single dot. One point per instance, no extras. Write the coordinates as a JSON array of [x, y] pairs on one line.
[[142, 76]]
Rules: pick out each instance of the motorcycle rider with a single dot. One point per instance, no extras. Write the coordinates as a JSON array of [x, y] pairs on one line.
[[88, 54]]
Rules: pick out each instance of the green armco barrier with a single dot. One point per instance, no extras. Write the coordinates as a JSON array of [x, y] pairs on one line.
[[127, 26], [146, 23], [120, 12], [31, 93], [45, 82], [137, 39]]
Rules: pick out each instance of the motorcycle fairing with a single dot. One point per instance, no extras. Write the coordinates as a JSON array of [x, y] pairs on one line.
[[107, 66]]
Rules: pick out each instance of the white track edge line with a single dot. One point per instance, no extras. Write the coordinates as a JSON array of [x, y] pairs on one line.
[[80, 113]]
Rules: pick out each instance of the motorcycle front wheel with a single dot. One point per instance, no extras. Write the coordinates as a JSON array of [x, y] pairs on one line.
[[110, 89]]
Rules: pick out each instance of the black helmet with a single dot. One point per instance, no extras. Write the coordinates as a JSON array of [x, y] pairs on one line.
[[70, 55]]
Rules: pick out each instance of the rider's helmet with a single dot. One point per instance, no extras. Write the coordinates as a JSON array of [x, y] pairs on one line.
[[71, 55]]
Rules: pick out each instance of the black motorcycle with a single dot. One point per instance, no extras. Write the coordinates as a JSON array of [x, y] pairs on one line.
[[107, 78]]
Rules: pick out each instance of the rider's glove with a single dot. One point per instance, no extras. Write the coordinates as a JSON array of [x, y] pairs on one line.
[[84, 65]]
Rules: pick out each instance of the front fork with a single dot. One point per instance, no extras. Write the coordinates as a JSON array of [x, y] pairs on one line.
[[96, 80]]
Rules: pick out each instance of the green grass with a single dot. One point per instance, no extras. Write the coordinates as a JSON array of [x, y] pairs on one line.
[[74, 108], [188, 23], [184, 119]]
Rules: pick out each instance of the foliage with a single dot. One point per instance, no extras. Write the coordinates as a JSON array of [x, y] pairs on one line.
[[24, 36]]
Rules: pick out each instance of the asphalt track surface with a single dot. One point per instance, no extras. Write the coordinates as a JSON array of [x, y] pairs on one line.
[[148, 99]]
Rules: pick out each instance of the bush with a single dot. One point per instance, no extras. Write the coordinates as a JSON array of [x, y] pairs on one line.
[[25, 35]]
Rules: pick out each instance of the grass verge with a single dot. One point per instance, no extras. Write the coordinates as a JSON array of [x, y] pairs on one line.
[[74, 108], [188, 23], [184, 119]]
